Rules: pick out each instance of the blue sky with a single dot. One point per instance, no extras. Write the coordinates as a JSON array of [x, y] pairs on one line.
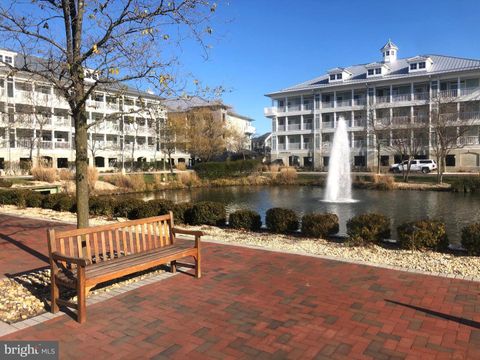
[[265, 45]]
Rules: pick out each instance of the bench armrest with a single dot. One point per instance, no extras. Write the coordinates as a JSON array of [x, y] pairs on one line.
[[188, 232], [69, 259]]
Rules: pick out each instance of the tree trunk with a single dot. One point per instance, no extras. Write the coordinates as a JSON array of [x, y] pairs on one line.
[[81, 166], [170, 162], [442, 168], [378, 159]]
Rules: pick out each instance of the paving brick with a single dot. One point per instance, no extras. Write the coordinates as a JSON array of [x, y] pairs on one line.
[[265, 305]]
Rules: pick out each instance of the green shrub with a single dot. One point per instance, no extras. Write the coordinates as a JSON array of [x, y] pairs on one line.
[[471, 239], [151, 208], [59, 202], [319, 225], [180, 212], [245, 219], [423, 235], [281, 220], [5, 183], [12, 197], [33, 199], [466, 184], [368, 229], [124, 206], [225, 169], [207, 213], [101, 205]]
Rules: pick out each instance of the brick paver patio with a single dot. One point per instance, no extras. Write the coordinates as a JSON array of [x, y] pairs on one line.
[[259, 304]]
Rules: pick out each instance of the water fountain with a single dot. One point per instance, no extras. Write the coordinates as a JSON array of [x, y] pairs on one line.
[[339, 181]]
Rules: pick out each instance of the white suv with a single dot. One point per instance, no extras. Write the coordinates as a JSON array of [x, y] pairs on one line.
[[425, 166]]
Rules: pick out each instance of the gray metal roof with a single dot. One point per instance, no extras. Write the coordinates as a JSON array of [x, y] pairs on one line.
[[188, 102], [398, 69]]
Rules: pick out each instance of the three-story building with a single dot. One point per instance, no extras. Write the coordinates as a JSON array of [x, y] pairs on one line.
[[394, 93]]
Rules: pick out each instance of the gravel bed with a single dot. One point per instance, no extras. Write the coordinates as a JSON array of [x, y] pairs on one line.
[[28, 295]]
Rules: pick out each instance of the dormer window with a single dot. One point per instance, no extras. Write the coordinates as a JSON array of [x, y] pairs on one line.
[[332, 77], [413, 66], [339, 76], [370, 72], [378, 71], [421, 65]]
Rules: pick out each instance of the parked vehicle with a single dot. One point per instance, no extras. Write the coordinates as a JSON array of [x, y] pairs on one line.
[[423, 165]]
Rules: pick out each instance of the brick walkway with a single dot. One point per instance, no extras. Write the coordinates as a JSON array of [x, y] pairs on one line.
[[259, 304]]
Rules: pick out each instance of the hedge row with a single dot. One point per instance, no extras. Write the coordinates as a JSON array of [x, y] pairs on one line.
[[362, 230], [224, 169]]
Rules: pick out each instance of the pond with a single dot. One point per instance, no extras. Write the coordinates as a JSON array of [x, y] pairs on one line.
[[455, 209]]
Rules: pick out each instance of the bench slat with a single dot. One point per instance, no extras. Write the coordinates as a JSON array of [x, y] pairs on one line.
[[110, 245], [104, 248], [79, 246], [136, 229], [132, 249], [124, 241], [95, 248], [88, 249]]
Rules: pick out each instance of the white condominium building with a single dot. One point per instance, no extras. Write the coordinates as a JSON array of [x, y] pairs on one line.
[[395, 93], [35, 120]]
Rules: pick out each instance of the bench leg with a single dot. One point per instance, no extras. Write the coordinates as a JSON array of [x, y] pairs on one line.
[[173, 266], [81, 297], [54, 293], [198, 268]]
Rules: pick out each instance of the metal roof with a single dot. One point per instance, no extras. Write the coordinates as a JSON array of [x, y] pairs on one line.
[[398, 69]]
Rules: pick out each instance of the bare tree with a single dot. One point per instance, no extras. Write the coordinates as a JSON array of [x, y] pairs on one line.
[[173, 135], [106, 42], [376, 130], [237, 140], [447, 129], [206, 133]]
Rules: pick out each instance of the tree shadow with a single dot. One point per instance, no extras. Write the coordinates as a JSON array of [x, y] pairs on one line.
[[439, 315], [25, 248]]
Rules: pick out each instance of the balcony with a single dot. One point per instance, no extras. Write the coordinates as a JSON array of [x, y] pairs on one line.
[[308, 106], [111, 145], [328, 124], [293, 107], [359, 122], [385, 121], [421, 96], [360, 101], [281, 147], [448, 93], [307, 146], [344, 103], [382, 99], [294, 146], [294, 126], [61, 121], [358, 144], [46, 144], [326, 144], [112, 106], [307, 126], [472, 115], [401, 120], [250, 129], [470, 91], [109, 126], [401, 97], [62, 144], [469, 140], [24, 143], [327, 104], [95, 104], [281, 128], [420, 119]]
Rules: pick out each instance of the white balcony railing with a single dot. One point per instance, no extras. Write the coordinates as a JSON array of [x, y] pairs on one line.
[[344, 103], [307, 126], [385, 121], [471, 115], [469, 140], [420, 119], [294, 146], [401, 97], [294, 107], [359, 122], [46, 144], [328, 124], [281, 128], [382, 99], [401, 120], [327, 104], [294, 126], [62, 144], [360, 101], [270, 111], [470, 91], [308, 106], [448, 93], [421, 96], [62, 121], [358, 144], [281, 147], [326, 144]]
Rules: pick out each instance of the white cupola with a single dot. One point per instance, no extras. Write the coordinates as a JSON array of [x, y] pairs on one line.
[[389, 52]]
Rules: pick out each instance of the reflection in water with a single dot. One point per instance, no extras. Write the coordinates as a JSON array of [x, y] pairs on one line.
[[456, 210]]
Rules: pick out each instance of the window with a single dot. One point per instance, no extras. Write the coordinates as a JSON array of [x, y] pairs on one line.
[[339, 76], [326, 160], [421, 65], [450, 160], [392, 52], [413, 66], [332, 77], [384, 160], [370, 71], [378, 71], [359, 161], [9, 60], [388, 53]]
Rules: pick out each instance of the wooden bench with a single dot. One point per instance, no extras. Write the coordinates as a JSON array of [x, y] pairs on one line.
[[83, 258]]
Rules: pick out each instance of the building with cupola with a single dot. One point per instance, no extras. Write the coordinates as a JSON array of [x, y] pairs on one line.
[[397, 93]]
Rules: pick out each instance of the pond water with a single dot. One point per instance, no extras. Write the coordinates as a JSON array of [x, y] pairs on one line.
[[455, 209]]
